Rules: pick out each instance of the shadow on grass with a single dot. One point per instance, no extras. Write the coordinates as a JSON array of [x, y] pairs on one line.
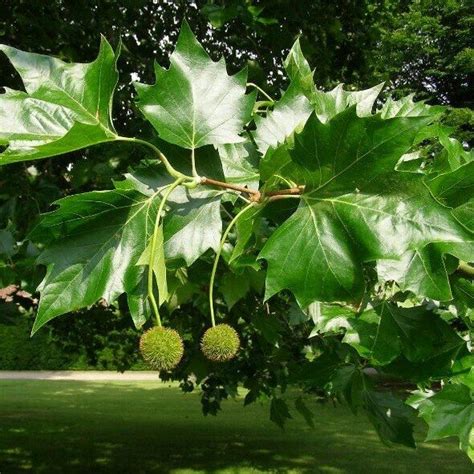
[[49, 427]]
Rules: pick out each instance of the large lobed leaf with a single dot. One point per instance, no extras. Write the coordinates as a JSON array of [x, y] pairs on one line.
[[355, 207], [449, 412], [424, 271], [66, 106], [195, 103], [95, 243]]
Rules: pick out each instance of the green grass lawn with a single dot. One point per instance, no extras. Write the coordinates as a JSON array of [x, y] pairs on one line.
[[124, 427]]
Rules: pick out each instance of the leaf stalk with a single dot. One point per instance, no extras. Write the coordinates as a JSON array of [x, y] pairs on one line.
[[234, 187]]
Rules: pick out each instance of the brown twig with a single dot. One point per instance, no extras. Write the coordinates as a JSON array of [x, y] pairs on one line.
[[235, 187], [255, 195], [277, 197], [284, 192]]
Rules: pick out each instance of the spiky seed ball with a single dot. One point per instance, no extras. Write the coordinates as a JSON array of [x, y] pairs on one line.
[[162, 348], [220, 343]]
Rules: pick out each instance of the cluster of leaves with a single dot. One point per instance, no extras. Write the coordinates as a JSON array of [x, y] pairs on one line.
[[345, 213]]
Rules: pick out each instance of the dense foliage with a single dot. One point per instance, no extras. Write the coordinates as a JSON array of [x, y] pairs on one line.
[[338, 205]]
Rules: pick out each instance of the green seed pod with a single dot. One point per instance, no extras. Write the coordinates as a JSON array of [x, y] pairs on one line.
[[161, 348], [220, 343]]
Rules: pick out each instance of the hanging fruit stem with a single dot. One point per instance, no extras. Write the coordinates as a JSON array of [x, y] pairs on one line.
[[251, 84], [151, 273], [218, 254]]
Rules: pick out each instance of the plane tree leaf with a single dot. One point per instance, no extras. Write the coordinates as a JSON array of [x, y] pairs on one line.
[[453, 154], [454, 188], [195, 102], [392, 419], [239, 163], [66, 106], [289, 113], [416, 333], [299, 70], [424, 271], [407, 107], [293, 109], [194, 217], [344, 208], [447, 413], [95, 242], [110, 232], [159, 265], [328, 104], [279, 411], [355, 208]]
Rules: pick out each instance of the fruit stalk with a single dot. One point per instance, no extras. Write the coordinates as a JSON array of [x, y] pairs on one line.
[[154, 241], [218, 254]]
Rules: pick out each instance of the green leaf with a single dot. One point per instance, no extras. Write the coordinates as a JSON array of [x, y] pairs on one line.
[[463, 370], [159, 265], [239, 163], [465, 214], [449, 412], [355, 208], [279, 412], [137, 299], [234, 287], [245, 227], [454, 188], [98, 239], [362, 331], [195, 102], [304, 411], [289, 114], [415, 332], [328, 104], [331, 319], [299, 71], [406, 107], [391, 417], [293, 109], [218, 15], [453, 156], [297, 316], [269, 326], [387, 331], [7, 243], [422, 271], [463, 290], [193, 225], [66, 106]]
